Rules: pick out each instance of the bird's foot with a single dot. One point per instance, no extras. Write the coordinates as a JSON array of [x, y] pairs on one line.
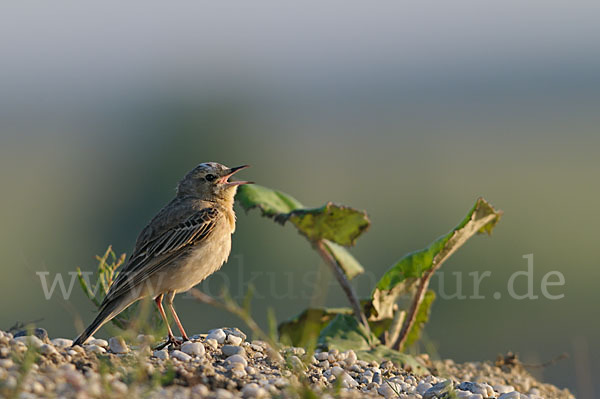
[[171, 341]]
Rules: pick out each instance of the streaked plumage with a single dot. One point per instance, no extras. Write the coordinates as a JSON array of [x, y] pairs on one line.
[[188, 240]]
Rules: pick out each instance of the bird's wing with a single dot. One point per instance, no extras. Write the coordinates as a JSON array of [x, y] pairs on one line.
[[162, 248]]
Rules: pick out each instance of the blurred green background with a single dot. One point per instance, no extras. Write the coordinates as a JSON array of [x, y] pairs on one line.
[[407, 110]]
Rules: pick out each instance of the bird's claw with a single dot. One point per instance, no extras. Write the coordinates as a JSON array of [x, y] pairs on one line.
[[171, 341]]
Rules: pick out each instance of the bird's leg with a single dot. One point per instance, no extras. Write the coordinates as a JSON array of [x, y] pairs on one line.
[[169, 299], [171, 339]]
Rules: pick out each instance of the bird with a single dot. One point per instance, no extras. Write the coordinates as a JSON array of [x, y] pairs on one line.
[[187, 241]]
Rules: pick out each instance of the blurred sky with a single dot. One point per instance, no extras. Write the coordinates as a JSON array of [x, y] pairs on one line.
[[409, 110]]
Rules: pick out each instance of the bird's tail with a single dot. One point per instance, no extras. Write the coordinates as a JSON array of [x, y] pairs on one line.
[[108, 310]]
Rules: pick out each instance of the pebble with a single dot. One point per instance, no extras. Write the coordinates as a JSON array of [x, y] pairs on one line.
[[94, 349], [235, 331], [161, 354], [438, 390], [218, 335], [30, 340], [350, 358], [503, 388], [389, 389], [119, 387], [212, 343], [253, 390], [179, 355], [223, 394], [41, 333], [230, 350], [250, 370], [475, 388], [193, 348], [62, 342], [510, 395], [296, 363], [117, 345], [99, 342], [234, 340], [48, 350], [236, 359]]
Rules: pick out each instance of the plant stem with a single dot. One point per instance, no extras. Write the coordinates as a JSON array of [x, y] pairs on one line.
[[411, 317], [339, 274]]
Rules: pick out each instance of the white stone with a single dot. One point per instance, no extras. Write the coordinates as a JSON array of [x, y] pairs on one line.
[[389, 389], [218, 335], [510, 395], [62, 342], [179, 355], [347, 381], [234, 340], [30, 340], [237, 359], [296, 363], [193, 348], [94, 349], [475, 387], [350, 358], [475, 396], [463, 394], [212, 343], [161, 354], [321, 356], [223, 394], [252, 390], [117, 345], [99, 342], [423, 387], [119, 386], [48, 350], [230, 350], [336, 370], [503, 388]]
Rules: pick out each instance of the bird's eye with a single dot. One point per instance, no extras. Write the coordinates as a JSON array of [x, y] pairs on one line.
[[210, 177]]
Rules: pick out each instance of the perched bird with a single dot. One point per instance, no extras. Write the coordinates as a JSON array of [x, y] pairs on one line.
[[187, 241]]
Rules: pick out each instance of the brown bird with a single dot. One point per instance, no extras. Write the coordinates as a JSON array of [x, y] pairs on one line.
[[187, 241]]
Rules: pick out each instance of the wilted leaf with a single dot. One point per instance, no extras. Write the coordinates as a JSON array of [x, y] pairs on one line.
[[305, 328], [345, 259], [402, 276], [421, 319], [270, 202], [344, 333]]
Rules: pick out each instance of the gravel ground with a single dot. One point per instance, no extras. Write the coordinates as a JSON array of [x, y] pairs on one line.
[[224, 365]]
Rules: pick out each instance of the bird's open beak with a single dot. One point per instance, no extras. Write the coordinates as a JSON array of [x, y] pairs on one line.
[[231, 172]]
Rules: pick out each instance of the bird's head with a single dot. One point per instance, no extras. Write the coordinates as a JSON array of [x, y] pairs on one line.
[[210, 181]]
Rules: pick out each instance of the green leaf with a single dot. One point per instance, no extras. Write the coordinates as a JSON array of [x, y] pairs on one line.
[[304, 329], [422, 317], [337, 223], [345, 333], [271, 202], [405, 273], [345, 259]]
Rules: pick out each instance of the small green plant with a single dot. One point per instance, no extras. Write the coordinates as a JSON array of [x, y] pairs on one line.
[[375, 327], [141, 315]]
